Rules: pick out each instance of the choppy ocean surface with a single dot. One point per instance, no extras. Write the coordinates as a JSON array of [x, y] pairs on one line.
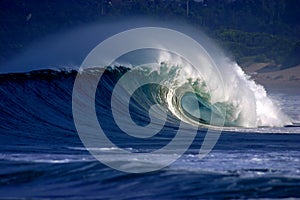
[[42, 156]]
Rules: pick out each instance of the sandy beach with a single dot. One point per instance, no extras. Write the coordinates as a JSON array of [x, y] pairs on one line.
[[286, 79]]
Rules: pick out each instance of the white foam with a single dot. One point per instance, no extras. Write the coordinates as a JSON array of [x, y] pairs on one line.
[[249, 100]]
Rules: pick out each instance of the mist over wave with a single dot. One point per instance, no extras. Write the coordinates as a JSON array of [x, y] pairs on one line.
[[68, 48], [227, 92]]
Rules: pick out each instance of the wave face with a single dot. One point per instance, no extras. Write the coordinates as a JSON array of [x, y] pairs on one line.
[[242, 103]]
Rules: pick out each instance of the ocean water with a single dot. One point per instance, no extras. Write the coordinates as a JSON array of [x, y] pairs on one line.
[[42, 155]]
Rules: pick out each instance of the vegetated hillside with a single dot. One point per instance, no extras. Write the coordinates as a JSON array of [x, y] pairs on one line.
[[252, 30]]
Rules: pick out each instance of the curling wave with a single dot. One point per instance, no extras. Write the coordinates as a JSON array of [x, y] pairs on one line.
[[196, 97]]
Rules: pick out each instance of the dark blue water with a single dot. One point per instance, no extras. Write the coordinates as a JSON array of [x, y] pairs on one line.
[[42, 156]]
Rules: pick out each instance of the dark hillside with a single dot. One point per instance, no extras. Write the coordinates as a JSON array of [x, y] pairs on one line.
[[252, 30]]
